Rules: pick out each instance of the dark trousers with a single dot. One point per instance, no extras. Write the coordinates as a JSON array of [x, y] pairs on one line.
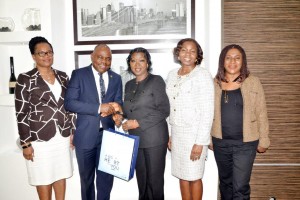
[[150, 169], [235, 162], [88, 160]]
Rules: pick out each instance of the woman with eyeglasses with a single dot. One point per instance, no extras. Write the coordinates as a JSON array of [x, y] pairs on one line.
[[44, 126]]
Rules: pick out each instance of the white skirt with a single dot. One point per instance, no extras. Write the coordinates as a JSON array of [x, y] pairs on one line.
[[182, 167], [52, 161]]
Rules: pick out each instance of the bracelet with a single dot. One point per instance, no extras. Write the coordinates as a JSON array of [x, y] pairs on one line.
[[26, 146]]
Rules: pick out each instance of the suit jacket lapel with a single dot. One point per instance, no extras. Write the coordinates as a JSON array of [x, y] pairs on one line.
[[92, 82], [110, 84], [62, 81]]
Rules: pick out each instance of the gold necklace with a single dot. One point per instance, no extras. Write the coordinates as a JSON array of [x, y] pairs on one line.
[[226, 99], [235, 80]]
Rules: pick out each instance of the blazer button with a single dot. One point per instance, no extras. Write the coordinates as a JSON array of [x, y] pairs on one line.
[[131, 100], [130, 110], [174, 109]]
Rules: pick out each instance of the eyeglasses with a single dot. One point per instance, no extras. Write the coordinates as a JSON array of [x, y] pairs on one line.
[[43, 54]]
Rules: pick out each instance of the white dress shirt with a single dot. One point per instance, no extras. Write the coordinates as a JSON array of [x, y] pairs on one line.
[[97, 77], [97, 81]]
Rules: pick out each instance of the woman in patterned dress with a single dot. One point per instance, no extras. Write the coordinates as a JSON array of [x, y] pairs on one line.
[[191, 93], [43, 123]]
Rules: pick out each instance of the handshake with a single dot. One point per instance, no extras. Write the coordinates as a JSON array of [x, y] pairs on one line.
[[115, 109], [110, 108]]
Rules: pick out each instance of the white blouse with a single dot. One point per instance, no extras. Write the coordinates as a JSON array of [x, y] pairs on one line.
[[55, 89]]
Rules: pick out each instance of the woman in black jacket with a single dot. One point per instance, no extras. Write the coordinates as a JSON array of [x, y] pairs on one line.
[[146, 106]]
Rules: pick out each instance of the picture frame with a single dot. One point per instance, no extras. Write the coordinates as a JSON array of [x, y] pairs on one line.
[[162, 61], [132, 21]]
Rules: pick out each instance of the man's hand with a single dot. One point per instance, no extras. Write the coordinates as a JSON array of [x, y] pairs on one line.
[[117, 107], [106, 109]]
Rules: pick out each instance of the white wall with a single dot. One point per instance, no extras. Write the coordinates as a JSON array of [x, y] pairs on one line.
[[12, 166]]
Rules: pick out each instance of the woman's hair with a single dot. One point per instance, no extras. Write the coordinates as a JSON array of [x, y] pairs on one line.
[[179, 47], [221, 70], [139, 50], [37, 40]]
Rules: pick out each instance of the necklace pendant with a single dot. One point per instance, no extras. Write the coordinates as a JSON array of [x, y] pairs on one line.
[[226, 99]]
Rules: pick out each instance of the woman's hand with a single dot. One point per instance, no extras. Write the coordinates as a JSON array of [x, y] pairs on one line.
[[71, 141], [117, 119], [211, 146], [28, 153], [170, 144], [261, 149], [196, 152], [130, 124]]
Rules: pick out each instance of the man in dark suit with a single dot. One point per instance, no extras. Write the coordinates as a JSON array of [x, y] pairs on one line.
[[89, 93]]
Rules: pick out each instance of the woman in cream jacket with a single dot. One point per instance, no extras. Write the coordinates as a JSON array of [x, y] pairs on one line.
[[240, 126]]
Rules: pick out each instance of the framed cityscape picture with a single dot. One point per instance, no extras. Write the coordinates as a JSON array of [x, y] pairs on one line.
[[132, 21], [162, 62], [119, 65]]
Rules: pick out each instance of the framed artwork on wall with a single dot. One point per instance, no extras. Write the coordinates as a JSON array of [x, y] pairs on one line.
[[132, 21], [162, 61]]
